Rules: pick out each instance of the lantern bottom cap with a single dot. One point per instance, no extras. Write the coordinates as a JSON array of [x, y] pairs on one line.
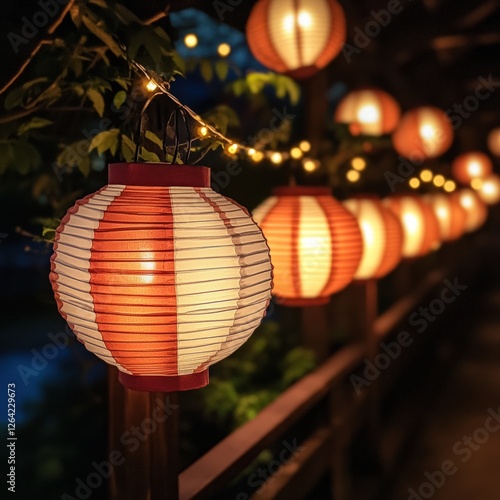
[[158, 383], [303, 302]]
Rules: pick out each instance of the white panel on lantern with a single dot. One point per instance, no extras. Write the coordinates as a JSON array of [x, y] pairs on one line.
[[411, 218], [429, 128], [314, 248]]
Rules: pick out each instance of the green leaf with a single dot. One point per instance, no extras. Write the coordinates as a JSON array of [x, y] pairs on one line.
[[291, 87], [99, 30], [14, 98], [125, 15], [104, 141], [76, 15], [221, 69], [97, 101], [119, 99], [30, 84], [149, 156], [154, 138], [33, 123], [99, 3], [123, 82], [206, 70], [84, 166], [128, 148]]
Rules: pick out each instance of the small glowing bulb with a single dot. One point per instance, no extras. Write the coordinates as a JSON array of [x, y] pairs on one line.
[[426, 175], [476, 184], [358, 163], [191, 41], [296, 153], [224, 49], [310, 165], [353, 175], [438, 180], [414, 183], [449, 186], [232, 148], [257, 156], [251, 151], [305, 146], [276, 158], [151, 86], [203, 131]]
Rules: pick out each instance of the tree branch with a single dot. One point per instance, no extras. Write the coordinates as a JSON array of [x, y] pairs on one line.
[[38, 46], [158, 16]]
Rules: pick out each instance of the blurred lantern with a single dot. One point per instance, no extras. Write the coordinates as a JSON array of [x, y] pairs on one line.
[[489, 191], [315, 244], [420, 226], [296, 37], [369, 112], [469, 166], [382, 237], [423, 133], [494, 141], [159, 275], [474, 207], [450, 215]]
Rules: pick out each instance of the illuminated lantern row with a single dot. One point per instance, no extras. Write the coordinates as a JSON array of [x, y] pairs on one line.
[[423, 133], [474, 207], [369, 112], [489, 191], [159, 275], [296, 37], [382, 237], [420, 226], [494, 141], [469, 166], [450, 215], [315, 244]]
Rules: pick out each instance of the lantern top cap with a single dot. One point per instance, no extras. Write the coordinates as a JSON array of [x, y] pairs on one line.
[[158, 174], [302, 191]]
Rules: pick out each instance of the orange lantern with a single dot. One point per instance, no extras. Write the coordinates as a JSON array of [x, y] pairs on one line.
[[420, 226], [298, 37], [423, 133], [469, 166], [494, 141], [475, 209], [159, 275], [315, 244], [382, 237], [450, 215], [489, 191], [369, 112]]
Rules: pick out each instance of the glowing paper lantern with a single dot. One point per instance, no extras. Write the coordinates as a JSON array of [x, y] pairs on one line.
[[450, 215], [489, 191], [474, 207], [368, 111], [315, 244], [420, 226], [494, 141], [423, 133], [159, 275], [296, 37], [382, 237], [469, 166]]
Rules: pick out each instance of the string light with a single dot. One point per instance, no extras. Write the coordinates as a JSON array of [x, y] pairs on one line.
[[305, 146], [191, 41], [276, 158], [310, 165], [414, 183], [151, 86], [476, 184], [449, 186], [232, 148], [438, 180], [353, 175], [296, 153], [251, 152], [224, 49], [358, 163], [426, 175], [203, 131], [257, 156]]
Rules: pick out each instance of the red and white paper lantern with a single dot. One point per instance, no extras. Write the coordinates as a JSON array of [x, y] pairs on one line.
[[159, 275], [450, 215], [474, 207], [471, 165]]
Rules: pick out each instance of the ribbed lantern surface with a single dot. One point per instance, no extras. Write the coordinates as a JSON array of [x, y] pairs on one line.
[[474, 207], [315, 244], [472, 165], [368, 111], [423, 133], [450, 215], [420, 226], [382, 237], [159, 275], [296, 37]]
